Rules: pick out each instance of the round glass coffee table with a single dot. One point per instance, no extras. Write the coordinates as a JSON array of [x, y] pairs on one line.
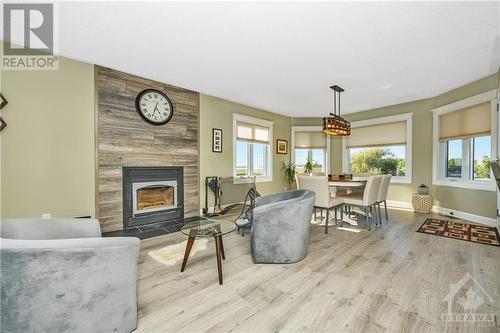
[[207, 228]]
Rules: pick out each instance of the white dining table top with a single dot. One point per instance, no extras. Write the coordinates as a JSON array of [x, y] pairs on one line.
[[346, 184], [359, 179]]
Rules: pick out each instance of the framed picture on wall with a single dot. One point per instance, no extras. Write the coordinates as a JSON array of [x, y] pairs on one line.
[[3, 124], [281, 146], [3, 101], [216, 140]]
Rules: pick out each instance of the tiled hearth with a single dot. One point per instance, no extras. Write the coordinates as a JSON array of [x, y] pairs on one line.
[[152, 230]]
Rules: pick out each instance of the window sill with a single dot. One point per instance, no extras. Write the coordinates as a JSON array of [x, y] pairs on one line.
[[484, 186], [248, 180]]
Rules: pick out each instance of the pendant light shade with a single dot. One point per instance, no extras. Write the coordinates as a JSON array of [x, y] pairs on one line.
[[334, 124]]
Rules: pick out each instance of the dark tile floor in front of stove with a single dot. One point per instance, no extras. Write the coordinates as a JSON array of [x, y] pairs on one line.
[[152, 230]]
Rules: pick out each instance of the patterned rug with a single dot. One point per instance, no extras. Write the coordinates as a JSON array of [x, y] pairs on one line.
[[464, 231]]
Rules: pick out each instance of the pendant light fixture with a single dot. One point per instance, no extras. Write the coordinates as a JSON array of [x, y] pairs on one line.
[[334, 124]]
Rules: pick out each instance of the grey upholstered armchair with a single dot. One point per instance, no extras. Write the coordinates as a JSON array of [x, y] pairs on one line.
[[281, 223], [59, 275]]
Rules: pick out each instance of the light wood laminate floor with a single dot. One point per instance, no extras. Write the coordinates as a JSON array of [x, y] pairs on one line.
[[391, 279]]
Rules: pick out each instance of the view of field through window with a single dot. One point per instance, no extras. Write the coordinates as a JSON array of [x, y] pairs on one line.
[[454, 159], [316, 155], [379, 160], [250, 158], [479, 156]]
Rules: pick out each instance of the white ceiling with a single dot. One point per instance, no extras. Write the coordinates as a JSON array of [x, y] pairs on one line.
[[282, 57]]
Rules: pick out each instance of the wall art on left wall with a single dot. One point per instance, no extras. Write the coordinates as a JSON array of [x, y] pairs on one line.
[[3, 101], [3, 124], [216, 140]]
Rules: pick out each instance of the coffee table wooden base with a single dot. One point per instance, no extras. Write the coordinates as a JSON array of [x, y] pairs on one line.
[[219, 252]]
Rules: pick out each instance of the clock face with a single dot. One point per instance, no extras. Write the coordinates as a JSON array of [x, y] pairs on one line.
[[154, 107]]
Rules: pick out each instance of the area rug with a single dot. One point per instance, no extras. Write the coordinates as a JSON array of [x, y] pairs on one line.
[[170, 255], [464, 231]]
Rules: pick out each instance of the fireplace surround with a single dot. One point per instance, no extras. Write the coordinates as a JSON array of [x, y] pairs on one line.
[[152, 195]]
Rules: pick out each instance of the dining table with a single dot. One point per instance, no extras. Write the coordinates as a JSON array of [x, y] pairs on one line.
[[355, 182]]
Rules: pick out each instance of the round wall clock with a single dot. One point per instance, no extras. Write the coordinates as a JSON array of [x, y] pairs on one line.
[[154, 107]]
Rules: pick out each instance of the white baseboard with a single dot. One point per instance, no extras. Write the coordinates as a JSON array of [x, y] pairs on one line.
[[403, 205], [491, 222]]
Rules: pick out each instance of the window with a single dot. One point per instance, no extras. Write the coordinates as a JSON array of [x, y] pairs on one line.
[[378, 160], [318, 158], [259, 158], [467, 160], [242, 164], [454, 158], [316, 155], [310, 144], [481, 149], [301, 157], [380, 146], [464, 142], [252, 149]]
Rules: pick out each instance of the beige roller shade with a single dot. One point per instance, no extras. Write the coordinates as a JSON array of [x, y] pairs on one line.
[[465, 123], [252, 133], [310, 140], [390, 134]]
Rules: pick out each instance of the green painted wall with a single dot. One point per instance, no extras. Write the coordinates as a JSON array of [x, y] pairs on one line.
[[47, 148], [218, 113], [477, 202]]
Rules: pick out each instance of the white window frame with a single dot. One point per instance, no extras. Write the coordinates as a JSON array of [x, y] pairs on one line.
[[311, 129], [439, 148], [310, 156], [267, 164], [408, 117]]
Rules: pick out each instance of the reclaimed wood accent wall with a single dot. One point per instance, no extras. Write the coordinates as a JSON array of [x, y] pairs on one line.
[[124, 139]]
